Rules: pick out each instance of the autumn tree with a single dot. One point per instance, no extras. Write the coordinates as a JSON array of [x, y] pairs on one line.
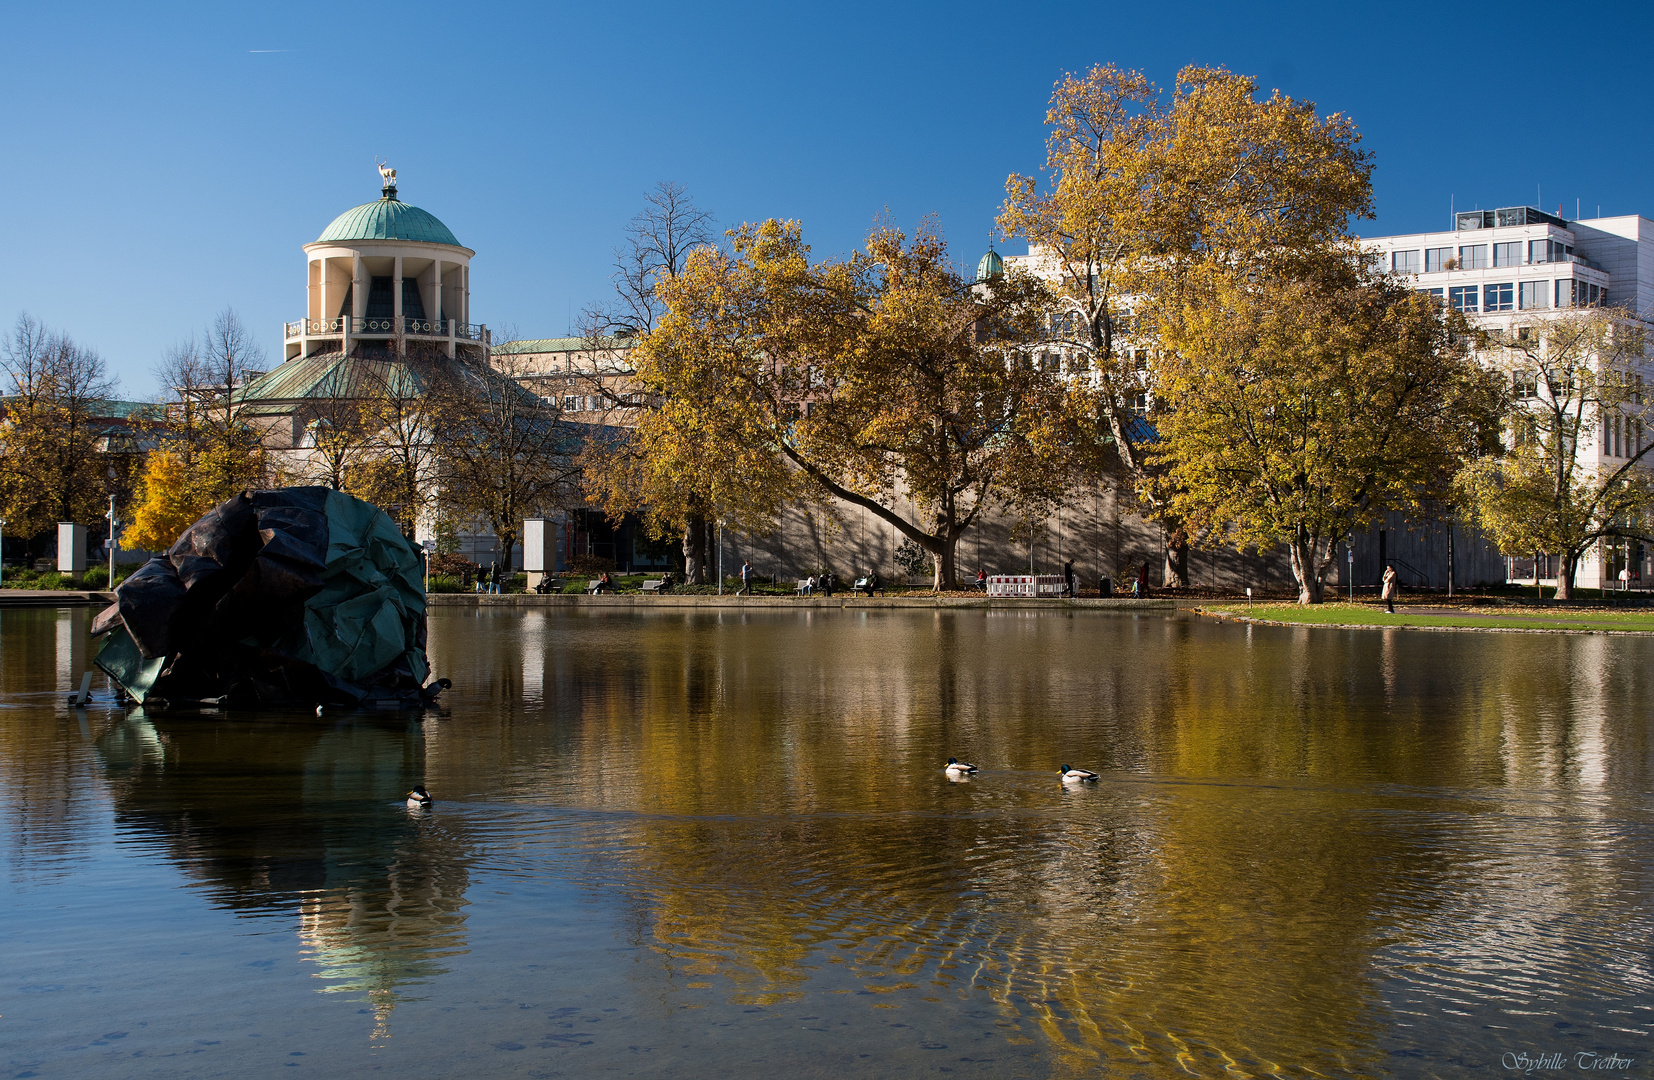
[[1140, 191], [1304, 402], [859, 379], [1575, 470], [51, 467], [210, 448], [502, 453], [400, 411], [635, 465]]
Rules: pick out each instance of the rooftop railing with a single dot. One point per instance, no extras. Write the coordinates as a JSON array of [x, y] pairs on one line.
[[385, 327]]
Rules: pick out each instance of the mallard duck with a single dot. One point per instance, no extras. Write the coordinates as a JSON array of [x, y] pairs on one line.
[[1076, 776], [958, 767], [419, 798]]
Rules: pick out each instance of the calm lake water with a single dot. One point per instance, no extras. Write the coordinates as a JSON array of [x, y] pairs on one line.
[[698, 844]]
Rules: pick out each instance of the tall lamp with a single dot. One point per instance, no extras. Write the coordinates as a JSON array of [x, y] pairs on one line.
[[111, 517]]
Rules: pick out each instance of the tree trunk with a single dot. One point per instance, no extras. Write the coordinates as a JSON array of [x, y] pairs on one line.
[[694, 552], [1565, 576], [1177, 563], [508, 544], [946, 562], [1307, 568]]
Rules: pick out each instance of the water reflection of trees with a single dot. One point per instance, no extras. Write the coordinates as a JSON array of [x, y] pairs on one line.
[[1307, 834], [278, 816]]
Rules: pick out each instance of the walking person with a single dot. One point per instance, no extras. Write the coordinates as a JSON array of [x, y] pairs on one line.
[[1388, 592], [1068, 579], [1143, 582], [746, 578], [494, 577]]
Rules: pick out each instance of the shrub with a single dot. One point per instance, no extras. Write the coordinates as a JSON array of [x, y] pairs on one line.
[[451, 565], [912, 560], [96, 578]]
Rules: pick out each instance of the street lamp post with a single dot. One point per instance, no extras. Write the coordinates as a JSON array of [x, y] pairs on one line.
[[1349, 560], [2, 550], [112, 523]]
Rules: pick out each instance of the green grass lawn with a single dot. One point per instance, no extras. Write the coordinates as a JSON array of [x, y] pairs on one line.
[[1506, 617]]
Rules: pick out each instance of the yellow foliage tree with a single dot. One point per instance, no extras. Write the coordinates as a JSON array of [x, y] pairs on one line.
[[882, 379], [167, 505], [1143, 190], [1301, 405]]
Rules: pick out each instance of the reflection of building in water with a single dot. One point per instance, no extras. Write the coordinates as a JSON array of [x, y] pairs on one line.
[[305, 817], [50, 797]]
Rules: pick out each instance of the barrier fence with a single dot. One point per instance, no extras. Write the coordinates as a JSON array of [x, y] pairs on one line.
[[1033, 585]]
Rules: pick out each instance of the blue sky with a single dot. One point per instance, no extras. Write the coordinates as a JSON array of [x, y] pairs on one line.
[[164, 162]]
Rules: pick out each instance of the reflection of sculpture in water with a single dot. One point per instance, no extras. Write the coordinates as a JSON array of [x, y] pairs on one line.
[[309, 818]]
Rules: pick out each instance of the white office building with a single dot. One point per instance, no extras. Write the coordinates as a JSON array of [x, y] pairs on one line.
[[1513, 264]]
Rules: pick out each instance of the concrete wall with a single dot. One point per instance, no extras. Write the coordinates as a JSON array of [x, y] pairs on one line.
[[1418, 548], [1093, 530]]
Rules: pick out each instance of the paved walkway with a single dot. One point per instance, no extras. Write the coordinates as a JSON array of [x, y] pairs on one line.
[[54, 598]]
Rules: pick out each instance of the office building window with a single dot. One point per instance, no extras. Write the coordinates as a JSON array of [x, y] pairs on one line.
[[1435, 294], [1508, 254], [1535, 294], [1579, 294], [1463, 297], [1436, 259], [1524, 384], [1404, 262], [1473, 257], [1499, 297]]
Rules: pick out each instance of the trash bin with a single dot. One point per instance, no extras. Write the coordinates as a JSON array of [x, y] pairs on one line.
[[1105, 588]]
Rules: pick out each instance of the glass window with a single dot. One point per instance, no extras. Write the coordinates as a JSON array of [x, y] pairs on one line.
[[1499, 297], [1463, 297], [1436, 259], [1404, 262], [1435, 294], [1508, 254], [1473, 257], [1564, 292], [1535, 294], [1524, 384], [1539, 251]]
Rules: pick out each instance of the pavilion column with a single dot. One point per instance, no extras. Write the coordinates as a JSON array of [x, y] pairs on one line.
[[433, 302], [321, 295]]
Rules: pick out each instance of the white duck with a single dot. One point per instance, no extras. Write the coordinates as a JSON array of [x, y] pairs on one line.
[[959, 768], [419, 798], [1076, 776]]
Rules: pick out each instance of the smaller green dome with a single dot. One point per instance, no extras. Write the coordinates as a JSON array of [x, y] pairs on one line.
[[388, 219], [991, 266]]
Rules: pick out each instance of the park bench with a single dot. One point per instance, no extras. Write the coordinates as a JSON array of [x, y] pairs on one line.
[[594, 586], [802, 588], [866, 585], [656, 586]]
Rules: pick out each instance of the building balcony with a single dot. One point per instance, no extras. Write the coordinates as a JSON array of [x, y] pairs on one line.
[[384, 328]]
